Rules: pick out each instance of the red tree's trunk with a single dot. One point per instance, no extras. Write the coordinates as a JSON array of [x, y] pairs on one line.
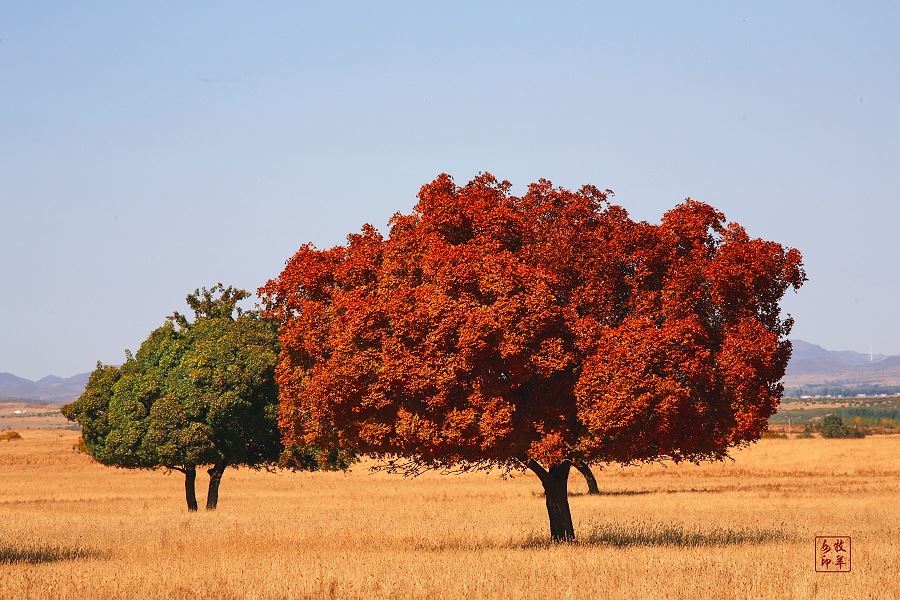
[[215, 477], [190, 493], [589, 477], [556, 481]]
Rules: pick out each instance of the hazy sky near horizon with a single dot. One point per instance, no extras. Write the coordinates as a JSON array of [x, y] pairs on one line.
[[146, 150]]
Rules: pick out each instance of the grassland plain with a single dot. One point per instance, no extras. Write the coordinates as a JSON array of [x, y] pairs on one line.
[[70, 528]]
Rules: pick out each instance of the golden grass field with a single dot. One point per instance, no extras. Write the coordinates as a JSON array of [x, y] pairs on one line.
[[741, 529]]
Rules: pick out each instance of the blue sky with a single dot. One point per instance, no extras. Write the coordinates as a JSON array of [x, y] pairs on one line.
[[146, 150]]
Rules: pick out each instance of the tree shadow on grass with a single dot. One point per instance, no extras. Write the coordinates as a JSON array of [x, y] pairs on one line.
[[612, 493], [640, 534], [643, 492], [35, 555], [651, 533]]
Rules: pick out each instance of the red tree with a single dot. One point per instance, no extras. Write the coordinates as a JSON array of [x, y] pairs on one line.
[[533, 332]]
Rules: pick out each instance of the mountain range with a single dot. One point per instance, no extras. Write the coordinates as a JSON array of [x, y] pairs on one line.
[[812, 370], [815, 370], [49, 390]]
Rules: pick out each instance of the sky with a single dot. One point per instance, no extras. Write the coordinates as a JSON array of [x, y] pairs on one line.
[[147, 149]]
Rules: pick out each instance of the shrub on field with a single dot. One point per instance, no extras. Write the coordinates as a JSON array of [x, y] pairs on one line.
[[10, 436], [833, 427], [81, 446], [807, 433]]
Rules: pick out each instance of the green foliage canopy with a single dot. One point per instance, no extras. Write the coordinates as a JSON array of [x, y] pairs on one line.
[[833, 427], [196, 392]]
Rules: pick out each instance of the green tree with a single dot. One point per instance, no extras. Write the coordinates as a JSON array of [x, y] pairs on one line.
[[197, 392], [833, 427]]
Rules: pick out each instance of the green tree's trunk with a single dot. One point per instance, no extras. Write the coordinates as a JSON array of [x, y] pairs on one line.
[[190, 493], [589, 477], [215, 477], [556, 493]]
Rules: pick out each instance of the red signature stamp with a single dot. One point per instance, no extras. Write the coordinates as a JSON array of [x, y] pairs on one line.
[[833, 554]]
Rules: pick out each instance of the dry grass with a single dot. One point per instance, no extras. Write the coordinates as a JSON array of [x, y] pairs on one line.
[[72, 529]]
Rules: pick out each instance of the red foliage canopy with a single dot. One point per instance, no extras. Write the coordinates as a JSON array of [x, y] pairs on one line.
[[492, 329]]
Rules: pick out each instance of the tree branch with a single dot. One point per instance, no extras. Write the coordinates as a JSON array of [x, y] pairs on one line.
[[539, 470]]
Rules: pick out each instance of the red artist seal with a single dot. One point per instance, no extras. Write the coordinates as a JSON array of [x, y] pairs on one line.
[[833, 554]]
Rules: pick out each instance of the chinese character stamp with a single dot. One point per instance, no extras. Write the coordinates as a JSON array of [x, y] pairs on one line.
[[832, 554]]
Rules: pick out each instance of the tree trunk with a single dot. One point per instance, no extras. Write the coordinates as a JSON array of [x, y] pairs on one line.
[[556, 481], [215, 477], [190, 493], [589, 477]]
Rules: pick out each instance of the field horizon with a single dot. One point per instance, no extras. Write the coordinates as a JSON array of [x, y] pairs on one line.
[[71, 528]]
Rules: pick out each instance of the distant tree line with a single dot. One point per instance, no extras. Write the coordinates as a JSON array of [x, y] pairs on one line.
[[841, 390]]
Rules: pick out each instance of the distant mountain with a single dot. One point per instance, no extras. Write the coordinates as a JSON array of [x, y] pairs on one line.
[[813, 369], [50, 389], [804, 351]]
